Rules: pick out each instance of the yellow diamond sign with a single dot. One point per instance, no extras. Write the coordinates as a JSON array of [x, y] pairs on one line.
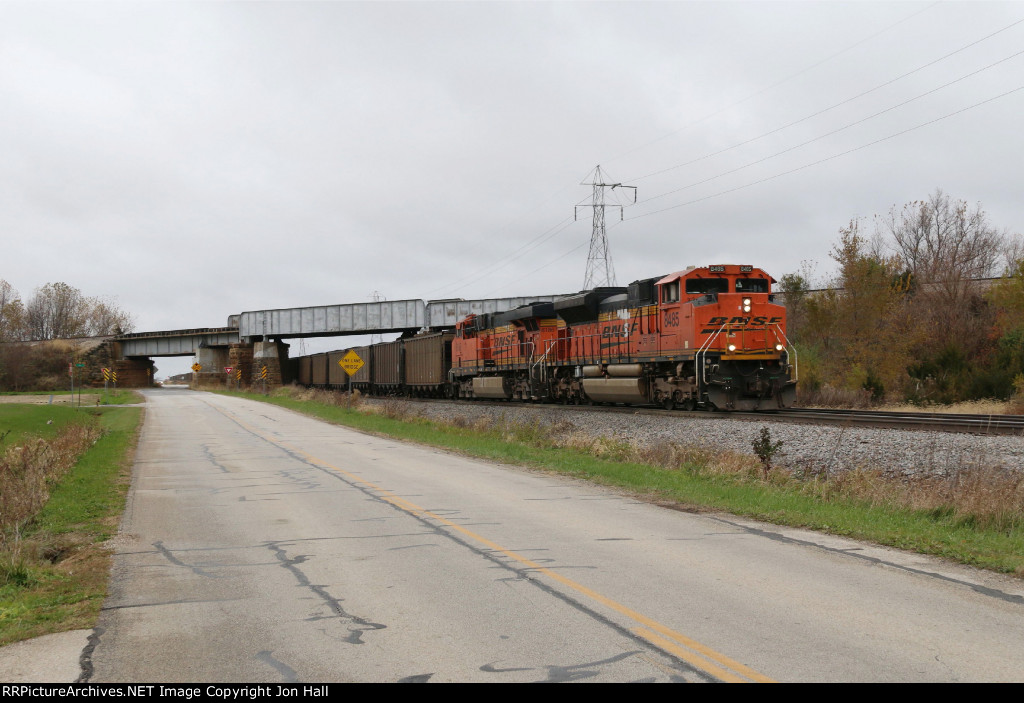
[[351, 362], [196, 367]]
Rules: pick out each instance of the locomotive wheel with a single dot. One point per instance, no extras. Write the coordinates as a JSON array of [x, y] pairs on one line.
[[687, 405], [668, 403]]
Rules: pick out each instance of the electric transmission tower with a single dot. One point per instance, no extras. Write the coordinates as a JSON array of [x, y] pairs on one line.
[[600, 271]]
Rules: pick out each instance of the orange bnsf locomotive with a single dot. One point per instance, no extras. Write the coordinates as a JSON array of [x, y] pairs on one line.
[[710, 337]]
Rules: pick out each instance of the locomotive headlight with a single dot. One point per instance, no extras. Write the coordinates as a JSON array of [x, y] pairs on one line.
[[779, 347], [746, 308], [746, 301], [746, 305], [732, 347]]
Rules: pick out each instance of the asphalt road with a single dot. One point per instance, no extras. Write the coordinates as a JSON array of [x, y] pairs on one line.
[[260, 545]]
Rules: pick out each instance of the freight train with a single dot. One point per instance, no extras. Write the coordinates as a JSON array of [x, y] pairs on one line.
[[709, 337]]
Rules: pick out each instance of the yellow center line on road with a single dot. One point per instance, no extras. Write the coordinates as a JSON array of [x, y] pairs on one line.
[[696, 654]]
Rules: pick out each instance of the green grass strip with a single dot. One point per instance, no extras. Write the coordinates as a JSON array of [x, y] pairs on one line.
[[20, 421], [63, 567], [694, 488]]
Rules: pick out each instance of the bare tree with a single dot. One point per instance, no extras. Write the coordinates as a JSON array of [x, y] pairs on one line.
[[945, 244], [946, 247], [1013, 254], [12, 313], [60, 311], [105, 318], [55, 311]]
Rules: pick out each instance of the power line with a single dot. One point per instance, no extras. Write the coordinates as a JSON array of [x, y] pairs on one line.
[[778, 175], [519, 253], [834, 156], [832, 107], [776, 84], [834, 131], [557, 229]]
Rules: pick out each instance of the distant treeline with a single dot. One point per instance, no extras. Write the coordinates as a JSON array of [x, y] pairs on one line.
[[56, 311]]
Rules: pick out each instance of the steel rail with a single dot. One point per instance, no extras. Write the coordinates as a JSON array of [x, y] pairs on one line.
[[941, 422]]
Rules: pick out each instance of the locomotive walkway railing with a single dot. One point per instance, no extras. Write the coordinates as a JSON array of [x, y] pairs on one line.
[[789, 346], [701, 368], [540, 362]]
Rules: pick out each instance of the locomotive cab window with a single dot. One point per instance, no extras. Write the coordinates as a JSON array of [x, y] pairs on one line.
[[751, 285], [700, 286], [670, 292]]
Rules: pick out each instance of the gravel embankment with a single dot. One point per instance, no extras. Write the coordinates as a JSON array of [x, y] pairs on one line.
[[806, 447]]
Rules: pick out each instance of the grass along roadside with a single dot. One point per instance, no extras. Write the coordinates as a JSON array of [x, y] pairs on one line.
[[90, 397], [54, 567], [973, 517]]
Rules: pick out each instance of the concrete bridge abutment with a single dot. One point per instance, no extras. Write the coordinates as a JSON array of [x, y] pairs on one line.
[[134, 372], [240, 359]]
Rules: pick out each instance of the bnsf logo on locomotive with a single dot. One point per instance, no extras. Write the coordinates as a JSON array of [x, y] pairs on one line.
[[506, 340], [615, 330], [739, 321]]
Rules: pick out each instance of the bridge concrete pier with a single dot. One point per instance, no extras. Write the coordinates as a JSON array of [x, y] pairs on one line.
[[212, 360], [274, 356]]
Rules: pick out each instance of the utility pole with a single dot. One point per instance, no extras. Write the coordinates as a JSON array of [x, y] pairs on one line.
[[600, 271]]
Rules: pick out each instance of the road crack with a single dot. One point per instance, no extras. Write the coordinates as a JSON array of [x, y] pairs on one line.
[[358, 625]]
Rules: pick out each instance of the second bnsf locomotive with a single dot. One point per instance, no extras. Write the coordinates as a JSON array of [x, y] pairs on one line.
[[709, 337]]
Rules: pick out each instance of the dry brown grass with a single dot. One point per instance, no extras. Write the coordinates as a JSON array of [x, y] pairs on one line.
[[989, 497], [985, 406], [859, 399], [395, 408], [351, 400], [28, 470], [829, 397]]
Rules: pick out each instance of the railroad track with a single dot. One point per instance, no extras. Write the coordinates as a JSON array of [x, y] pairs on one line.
[[941, 422]]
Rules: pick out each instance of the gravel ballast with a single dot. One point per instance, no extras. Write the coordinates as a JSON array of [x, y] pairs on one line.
[[805, 447]]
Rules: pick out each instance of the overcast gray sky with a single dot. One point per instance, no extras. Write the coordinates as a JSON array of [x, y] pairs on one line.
[[195, 160]]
